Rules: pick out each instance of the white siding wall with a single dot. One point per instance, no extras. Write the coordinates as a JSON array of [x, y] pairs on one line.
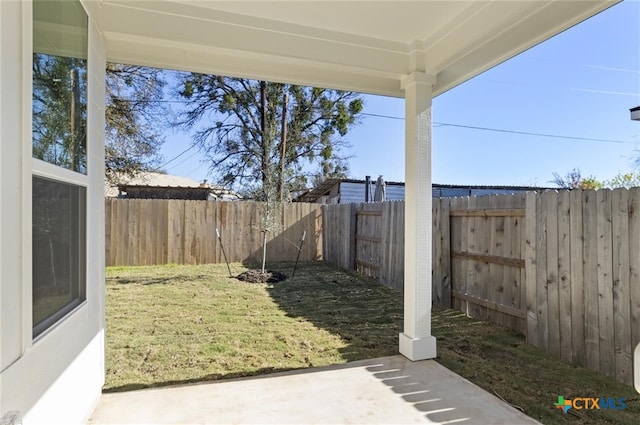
[[58, 377], [10, 186]]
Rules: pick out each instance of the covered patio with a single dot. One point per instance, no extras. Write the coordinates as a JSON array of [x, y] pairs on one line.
[[413, 50], [376, 391]]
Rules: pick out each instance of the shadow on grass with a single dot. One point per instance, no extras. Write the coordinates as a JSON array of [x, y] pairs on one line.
[[366, 315], [146, 280], [140, 281]]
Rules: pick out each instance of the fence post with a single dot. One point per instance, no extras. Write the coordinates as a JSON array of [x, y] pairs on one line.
[[445, 242], [353, 229], [325, 244], [530, 231]]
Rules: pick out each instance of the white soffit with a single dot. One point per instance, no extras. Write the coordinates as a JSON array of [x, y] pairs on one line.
[[364, 46]]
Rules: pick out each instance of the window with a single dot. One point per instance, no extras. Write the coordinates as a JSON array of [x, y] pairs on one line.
[[60, 83], [59, 146], [59, 246]]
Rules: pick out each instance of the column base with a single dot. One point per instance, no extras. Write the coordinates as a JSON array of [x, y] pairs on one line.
[[417, 348]]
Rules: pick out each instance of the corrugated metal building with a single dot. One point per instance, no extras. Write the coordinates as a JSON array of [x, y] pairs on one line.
[[343, 191]]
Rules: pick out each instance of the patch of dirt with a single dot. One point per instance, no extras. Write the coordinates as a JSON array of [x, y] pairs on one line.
[[256, 276]]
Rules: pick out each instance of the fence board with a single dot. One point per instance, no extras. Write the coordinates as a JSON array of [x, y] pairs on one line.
[[436, 251], [108, 225], [458, 243], [134, 231], [496, 288], [483, 243], [552, 287], [122, 214], [590, 255], [621, 306], [445, 243], [506, 231], [577, 280], [398, 243], [530, 282], [634, 265], [564, 274], [605, 283], [441, 255], [516, 229], [541, 273], [474, 268]]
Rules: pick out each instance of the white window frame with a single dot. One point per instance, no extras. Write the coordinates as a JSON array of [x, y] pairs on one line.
[[40, 168]]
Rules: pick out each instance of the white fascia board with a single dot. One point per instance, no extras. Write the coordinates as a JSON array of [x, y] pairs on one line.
[[187, 15], [479, 25], [172, 35], [172, 55], [278, 42]]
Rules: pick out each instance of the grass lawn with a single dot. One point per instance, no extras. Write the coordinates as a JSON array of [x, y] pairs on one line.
[[177, 324]]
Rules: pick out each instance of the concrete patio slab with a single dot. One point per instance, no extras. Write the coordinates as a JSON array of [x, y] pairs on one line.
[[376, 391]]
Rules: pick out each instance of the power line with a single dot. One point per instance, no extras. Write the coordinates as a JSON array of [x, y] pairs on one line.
[[382, 116], [159, 167], [184, 160], [527, 133], [501, 130], [441, 124]]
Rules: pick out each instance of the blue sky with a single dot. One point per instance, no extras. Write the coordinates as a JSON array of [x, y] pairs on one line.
[[579, 84]]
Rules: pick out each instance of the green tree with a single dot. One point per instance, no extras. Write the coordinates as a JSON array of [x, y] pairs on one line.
[[574, 180], [263, 136], [59, 110], [626, 180], [135, 115], [135, 118]]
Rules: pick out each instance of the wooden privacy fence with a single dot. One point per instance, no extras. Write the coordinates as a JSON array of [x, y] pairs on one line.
[[368, 238], [150, 231], [563, 268], [582, 266]]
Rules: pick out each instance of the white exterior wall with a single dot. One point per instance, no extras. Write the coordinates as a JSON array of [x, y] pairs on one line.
[[58, 377], [10, 186]]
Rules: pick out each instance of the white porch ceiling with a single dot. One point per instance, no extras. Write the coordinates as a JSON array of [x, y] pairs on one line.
[[364, 46]]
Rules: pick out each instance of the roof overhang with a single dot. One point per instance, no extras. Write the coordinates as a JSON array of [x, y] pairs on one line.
[[635, 113], [364, 46]]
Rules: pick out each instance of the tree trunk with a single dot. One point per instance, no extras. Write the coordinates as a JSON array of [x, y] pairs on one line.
[[283, 144], [74, 148], [264, 250], [265, 144]]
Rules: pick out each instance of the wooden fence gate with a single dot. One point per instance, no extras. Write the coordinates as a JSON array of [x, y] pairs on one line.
[[368, 252], [487, 264]]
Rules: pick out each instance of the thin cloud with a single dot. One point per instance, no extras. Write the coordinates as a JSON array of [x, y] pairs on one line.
[[617, 93], [608, 68]]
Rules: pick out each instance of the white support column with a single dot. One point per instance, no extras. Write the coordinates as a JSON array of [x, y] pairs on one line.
[[416, 342]]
